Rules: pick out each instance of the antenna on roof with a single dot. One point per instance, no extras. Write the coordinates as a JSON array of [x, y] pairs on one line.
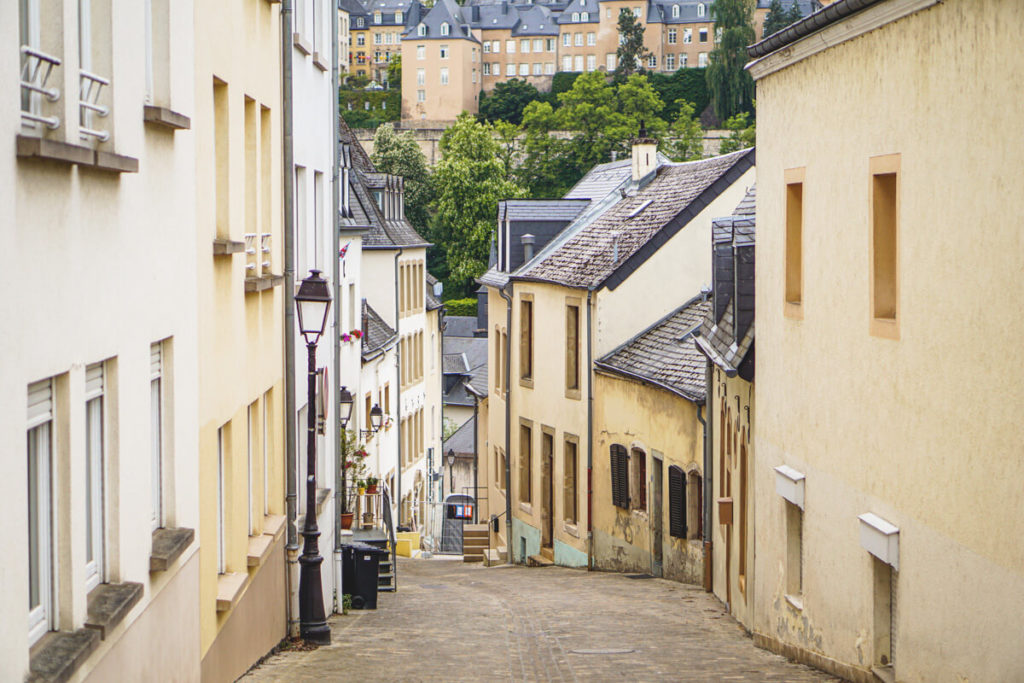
[[643, 130]]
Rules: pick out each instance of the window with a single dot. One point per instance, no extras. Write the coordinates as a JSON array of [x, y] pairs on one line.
[[637, 12], [687, 35], [676, 502], [496, 46], [497, 360], [510, 69], [670, 62], [566, 63], [609, 61], [376, 17], [487, 47], [549, 68], [444, 75], [572, 347], [444, 51], [652, 61], [487, 69], [702, 59], [578, 39], [718, 35], [421, 30], [578, 62], [700, 9], [591, 62], [250, 451], [525, 463], [398, 17], [538, 44], [524, 46], [584, 16], [40, 510], [591, 38], [794, 235], [575, 17], [221, 475], [361, 38], [524, 69], [703, 35], [566, 39], [378, 38], [360, 23], [526, 339], [421, 52], [620, 476], [570, 464], [221, 156], [551, 44], [499, 468], [794, 550], [95, 476], [156, 433], [537, 69], [675, 11], [265, 445], [683, 59], [421, 76], [510, 47], [672, 34], [885, 244], [638, 477], [446, 29]]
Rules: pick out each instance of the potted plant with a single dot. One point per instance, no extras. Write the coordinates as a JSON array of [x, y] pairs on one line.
[[371, 484], [361, 486]]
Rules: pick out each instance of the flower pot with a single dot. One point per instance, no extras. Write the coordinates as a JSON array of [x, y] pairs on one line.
[[361, 490], [346, 520], [372, 488]]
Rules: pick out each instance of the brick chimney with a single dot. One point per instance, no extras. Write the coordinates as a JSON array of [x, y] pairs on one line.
[[645, 154]]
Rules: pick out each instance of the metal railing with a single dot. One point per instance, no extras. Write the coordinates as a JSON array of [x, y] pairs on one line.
[[251, 257], [265, 252], [89, 88], [36, 68]]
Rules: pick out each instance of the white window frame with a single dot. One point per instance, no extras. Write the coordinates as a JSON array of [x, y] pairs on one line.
[[703, 35], [95, 475], [156, 433], [510, 46], [443, 51], [249, 452], [510, 69], [700, 9], [670, 62], [591, 62], [538, 45], [609, 61], [421, 30], [221, 542], [578, 39], [566, 39], [496, 46], [577, 63], [687, 36], [566, 62], [675, 11], [487, 68], [576, 17], [591, 38], [585, 17], [421, 76], [524, 69], [446, 29], [672, 36], [42, 617], [524, 46], [265, 444], [702, 59], [444, 75], [538, 69], [549, 68]]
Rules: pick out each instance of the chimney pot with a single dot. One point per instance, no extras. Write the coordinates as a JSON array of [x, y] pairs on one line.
[[528, 241]]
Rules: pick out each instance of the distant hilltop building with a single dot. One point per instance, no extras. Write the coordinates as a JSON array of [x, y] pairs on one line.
[[451, 52]]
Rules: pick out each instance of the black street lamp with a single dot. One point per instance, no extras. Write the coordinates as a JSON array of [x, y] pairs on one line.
[[451, 471], [313, 300], [345, 403]]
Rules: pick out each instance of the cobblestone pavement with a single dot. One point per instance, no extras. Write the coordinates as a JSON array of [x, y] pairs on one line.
[[451, 621]]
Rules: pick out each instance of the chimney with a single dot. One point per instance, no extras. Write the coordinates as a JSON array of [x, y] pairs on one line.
[[476, 13], [528, 241], [504, 6], [645, 154]]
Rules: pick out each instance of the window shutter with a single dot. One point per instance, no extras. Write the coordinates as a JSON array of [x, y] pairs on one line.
[[676, 502], [156, 361], [94, 381], [40, 403], [641, 478], [620, 476]]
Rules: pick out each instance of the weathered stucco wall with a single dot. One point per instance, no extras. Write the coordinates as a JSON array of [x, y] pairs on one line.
[[920, 430]]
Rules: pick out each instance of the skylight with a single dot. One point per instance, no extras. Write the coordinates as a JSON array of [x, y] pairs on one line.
[[638, 210]]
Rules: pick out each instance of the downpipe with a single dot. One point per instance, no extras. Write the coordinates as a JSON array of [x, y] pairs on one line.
[[398, 399], [334, 386], [507, 296], [590, 434], [709, 425]]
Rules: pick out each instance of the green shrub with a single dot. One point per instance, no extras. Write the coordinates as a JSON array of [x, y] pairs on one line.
[[385, 105], [460, 307], [562, 82], [687, 84]]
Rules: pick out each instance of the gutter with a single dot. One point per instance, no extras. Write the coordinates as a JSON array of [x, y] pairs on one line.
[[508, 427], [288, 182], [339, 482], [812, 23], [398, 398]]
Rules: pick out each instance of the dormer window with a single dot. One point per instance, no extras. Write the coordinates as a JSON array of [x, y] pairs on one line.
[[421, 30], [376, 17], [398, 17], [700, 9], [576, 16], [584, 16], [445, 29], [675, 11]]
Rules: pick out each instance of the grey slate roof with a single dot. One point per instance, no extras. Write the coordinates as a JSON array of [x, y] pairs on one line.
[[377, 335], [353, 7], [462, 440], [540, 209], [665, 354], [601, 180], [584, 255], [454, 363], [465, 356], [590, 6], [459, 326], [432, 302], [443, 11], [535, 20]]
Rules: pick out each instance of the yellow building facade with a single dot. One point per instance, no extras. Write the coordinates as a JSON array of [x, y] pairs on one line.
[[889, 379], [242, 596]]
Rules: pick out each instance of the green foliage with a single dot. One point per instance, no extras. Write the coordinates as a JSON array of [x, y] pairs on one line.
[[346, 603], [398, 154], [685, 84], [543, 168], [687, 143], [731, 87], [631, 54], [743, 135], [395, 71], [357, 81], [470, 179], [561, 82], [465, 306], [507, 101], [448, 428], [385, 105], [776, 20]]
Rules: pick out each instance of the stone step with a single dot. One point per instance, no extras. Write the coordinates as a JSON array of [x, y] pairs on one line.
[[538, 561], [494, 557], [548, 553]]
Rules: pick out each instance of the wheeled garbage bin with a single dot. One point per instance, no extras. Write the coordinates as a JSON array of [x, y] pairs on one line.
[[360, 567]]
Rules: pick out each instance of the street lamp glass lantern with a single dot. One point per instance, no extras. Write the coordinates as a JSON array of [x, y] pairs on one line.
[[345, 407], [376, 417], [451, 457], [313, 300]]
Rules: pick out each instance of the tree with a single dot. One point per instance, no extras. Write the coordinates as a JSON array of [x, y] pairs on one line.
[[731, 87], [794, 15], [640, 104], [398, 154], [777, 19], [395, 71], [507, 101], [590, 108], [687, 143], [470, 181], [743, 135], [631, 53], [545, 168]]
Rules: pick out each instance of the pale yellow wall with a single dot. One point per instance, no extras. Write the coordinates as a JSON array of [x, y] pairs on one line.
[[495, 420], [663, 425], [500, 59], [442, 102], [240, 339], [920, 430]]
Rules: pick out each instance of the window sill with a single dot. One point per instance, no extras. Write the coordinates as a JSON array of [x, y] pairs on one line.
[[301, 44], [320, 63], [229, 589], [886, 328], [571, 529], [44, 149], [526, 382], [168, 545], [574, 394], [526, 507], [259, 550], [273, 525], [165, 117], [226, 247], [796, 602], [793, 310], [58, 655], [109, 604], [264, 282]]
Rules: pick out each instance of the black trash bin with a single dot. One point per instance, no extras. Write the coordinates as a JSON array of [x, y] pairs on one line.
[[360, 567]]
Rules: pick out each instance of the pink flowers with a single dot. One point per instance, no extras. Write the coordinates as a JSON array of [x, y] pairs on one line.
[[350, 336]]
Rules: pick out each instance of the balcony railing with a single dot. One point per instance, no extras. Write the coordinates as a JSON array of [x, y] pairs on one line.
[[265, 251], [89, 89], [257, 254], [36, 69]]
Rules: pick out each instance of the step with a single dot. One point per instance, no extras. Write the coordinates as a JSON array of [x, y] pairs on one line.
[[548, 553], [474, 543], [472, 558], [538, 561], [494, 557]]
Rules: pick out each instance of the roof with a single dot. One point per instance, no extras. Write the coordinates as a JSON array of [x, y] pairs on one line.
[[590, 6], [454, 364], [540, 209], [601, 180], [461, 442], [812, 23], [665, 354], [616, 240], [459, 326], [377, 335], [443, 12], [433, 303], [465, 356], [353, 7], [535, 20]]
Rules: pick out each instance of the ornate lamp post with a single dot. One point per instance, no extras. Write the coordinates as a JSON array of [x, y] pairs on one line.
[[313, 300], [345, 403], [451, 471]]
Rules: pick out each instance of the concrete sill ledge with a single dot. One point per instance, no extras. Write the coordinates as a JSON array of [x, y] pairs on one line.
[[168, 545], [59, 654], [44, 149], [109, 604], [229, 589], [259, 549], [301, 44], [258, 284], [168, 118], [273, 525], [225, 247], [320, 63]]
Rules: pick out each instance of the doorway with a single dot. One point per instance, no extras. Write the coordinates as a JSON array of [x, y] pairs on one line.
[[547, 502], [656, 516]]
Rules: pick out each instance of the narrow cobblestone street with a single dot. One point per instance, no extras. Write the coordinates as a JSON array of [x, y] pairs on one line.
[[451, 621]]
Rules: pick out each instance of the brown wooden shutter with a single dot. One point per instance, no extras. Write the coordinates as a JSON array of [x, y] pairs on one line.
[[620, 476], [676, 502], [641, 478]]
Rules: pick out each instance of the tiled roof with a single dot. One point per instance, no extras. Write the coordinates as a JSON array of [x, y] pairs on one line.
[[433, 303], [461, 442], [601, 180], [665, 354], [588, 252], [459, 326], [471, 352], [443, 12], [454, 364], [376, 333], [540, 209]]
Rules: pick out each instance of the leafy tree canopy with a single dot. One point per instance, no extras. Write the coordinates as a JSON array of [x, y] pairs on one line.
[[398, 154], [395, 71], [779, 17], [631, 54], [743, 135], [507, 101], [687, 135], [731, 87]]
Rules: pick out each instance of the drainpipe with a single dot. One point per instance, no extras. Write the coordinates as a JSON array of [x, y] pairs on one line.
[[336, 267], [590, 435], [398, 396], [292, 540], [709, 433], [507, 296], [476, 461]]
